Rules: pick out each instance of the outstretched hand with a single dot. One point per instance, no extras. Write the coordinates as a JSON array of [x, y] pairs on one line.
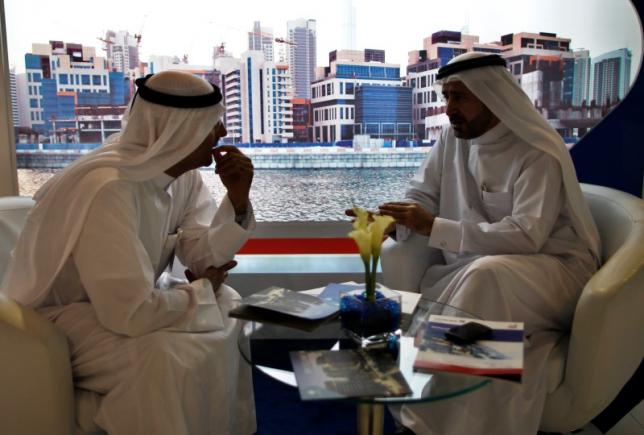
[[236, 173], [216, 275], [409, 214]]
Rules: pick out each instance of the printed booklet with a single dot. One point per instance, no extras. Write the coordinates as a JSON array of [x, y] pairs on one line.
[[337, 374], [285, 307], [499, 355]]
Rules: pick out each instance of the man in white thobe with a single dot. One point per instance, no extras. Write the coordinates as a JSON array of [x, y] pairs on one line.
[[149, 354], [494, 223]]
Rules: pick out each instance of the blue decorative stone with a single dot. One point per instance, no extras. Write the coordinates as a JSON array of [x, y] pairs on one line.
[[367, 318]]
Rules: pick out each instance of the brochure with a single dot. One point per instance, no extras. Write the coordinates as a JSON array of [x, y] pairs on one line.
[[285, 307], [336, 374], [332, 291], [499, 356]]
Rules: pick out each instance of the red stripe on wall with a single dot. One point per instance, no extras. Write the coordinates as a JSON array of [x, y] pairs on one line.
[[340, 245]]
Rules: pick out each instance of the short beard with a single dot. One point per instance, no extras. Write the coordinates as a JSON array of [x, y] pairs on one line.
[[481, 124]]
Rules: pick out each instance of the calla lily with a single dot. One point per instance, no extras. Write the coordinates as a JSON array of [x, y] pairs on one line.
[[368, 237], [362, 238], [362, 218], [377, 229]]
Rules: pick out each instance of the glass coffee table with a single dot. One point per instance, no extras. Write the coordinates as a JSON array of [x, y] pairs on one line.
[[266, 347]]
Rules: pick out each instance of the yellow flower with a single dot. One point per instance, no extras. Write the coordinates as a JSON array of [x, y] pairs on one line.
[[362, 218], [368, 237], [362, 238], [377, 229]]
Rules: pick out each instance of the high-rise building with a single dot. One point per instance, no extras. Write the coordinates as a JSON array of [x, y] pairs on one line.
[[527, 53], [63, 76], [232, 90], [611, 76], [261, 39], [427, 106], [383, 111], [14, 97], [302, 55], [23, 100], [219, 51], [581, 80], [159, 63], [335, 95], [278, 118], [302, 120], [553, 76], [371, 55], [258, 97], [438, 49], [348, 25], [122, 50]]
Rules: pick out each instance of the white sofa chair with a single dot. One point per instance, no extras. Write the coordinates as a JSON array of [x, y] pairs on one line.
[[588, 367], [36, 389]]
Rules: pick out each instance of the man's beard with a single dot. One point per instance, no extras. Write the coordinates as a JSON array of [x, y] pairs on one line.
[[476, 127]]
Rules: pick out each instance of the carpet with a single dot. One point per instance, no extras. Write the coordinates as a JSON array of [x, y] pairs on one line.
[[280, 411]]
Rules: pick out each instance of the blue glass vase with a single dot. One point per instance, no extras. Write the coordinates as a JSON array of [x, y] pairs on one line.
[[369, 321]]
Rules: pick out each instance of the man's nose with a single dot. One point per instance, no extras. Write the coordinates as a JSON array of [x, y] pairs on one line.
[[450, 107]]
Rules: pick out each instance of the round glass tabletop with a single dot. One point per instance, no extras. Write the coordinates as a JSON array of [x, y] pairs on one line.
[[267, 346]]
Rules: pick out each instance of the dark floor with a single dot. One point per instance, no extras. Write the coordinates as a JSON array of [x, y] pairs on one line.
[[280, 411]]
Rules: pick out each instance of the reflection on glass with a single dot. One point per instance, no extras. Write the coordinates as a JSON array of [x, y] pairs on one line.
[[301, 102], [268, 347]]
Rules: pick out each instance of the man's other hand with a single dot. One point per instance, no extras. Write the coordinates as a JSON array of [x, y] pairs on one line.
[[409, 214], [216, 275], [236, 173]]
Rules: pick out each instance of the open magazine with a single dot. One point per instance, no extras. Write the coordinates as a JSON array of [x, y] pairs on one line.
[[500, 355], [336, 374], [285, 307]]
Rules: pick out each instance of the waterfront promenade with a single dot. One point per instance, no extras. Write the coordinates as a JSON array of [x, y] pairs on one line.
[[328, 157]]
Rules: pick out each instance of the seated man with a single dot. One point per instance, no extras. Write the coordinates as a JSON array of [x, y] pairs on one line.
[[151, 360], [499, 228]]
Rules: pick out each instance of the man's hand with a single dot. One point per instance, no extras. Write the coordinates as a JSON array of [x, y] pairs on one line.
[[236, 173], [216, 275], [409, 214]]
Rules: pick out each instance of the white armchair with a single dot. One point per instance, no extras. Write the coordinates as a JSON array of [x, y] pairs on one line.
[[588, 367], [36, 389]]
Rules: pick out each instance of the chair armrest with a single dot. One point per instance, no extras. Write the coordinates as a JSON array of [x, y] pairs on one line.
[[606, 341], [404, 263], [37, 393]]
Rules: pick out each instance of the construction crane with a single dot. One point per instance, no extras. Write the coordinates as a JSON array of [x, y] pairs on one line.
[[139, 35], [107, 43], [285, 41], [221, 50], [270, 35]]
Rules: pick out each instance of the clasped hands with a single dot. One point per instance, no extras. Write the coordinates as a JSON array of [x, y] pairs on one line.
[[216, 275], [409, 214]]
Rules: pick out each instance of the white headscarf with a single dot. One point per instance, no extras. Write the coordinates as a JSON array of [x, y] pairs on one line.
[[153, 138], [500, 92]]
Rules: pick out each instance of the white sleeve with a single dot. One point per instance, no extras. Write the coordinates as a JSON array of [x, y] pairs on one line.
[[424, 187], [537, 198], [210, 236], [117, 274]]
